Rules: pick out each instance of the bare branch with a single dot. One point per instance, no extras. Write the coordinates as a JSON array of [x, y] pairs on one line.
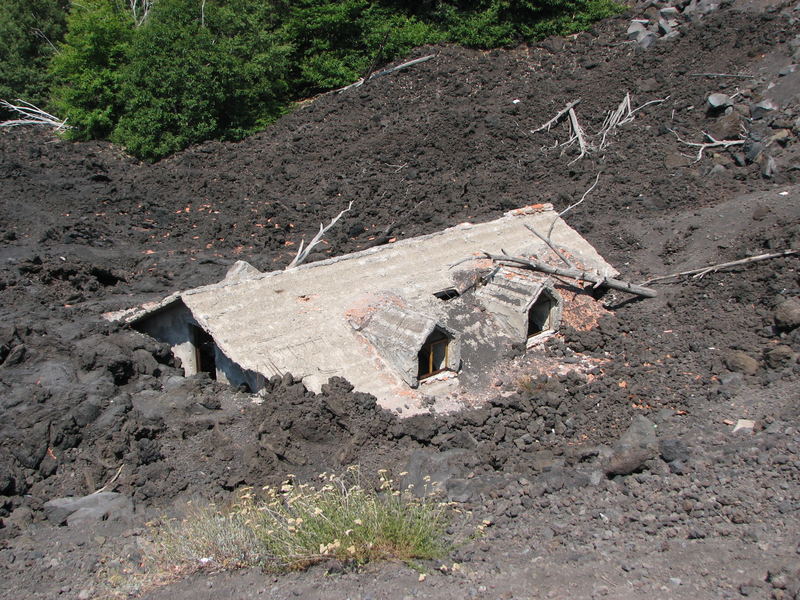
[[624, 113], [31, 115], [714, 143], [302, 254], [552, 246], [110, 481], [699, 273], [577, 134], [547, 126], [140, 9], [399, 67], [736, 76], [571, 206]]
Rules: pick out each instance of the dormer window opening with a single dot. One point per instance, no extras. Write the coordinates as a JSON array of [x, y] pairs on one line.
[[434, 355], [540, 314]]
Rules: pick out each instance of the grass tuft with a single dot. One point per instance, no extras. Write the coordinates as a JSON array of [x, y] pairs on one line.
[[297, 525]]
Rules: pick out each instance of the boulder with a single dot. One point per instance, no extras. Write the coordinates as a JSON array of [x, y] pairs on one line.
[[787, 314], [741, 362], [78, 511], [636, 28], [636, 446], [719, 101], [780, 356], [645, 39]]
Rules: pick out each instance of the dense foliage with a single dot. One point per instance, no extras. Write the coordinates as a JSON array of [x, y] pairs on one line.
[[192, 70], [29, 30]]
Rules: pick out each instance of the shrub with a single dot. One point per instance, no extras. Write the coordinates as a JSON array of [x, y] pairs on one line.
[[29, 29], [299, 525], [88, 68], [194, 76]]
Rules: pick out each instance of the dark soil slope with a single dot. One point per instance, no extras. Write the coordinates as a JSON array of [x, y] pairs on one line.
[[702, 513]]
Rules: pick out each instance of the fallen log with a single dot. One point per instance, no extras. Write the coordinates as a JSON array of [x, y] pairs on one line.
[[598, 280]]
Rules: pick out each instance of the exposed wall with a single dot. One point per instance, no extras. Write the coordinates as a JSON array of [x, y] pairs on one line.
[[173, 325]]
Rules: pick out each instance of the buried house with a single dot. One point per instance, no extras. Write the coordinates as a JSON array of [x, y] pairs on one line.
[[419, 318]]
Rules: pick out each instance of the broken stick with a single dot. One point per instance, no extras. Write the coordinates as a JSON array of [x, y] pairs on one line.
[[302, 253], [552, 246], [400, 67], [713, 143], [547, 126], [699, 273], [598, 280]]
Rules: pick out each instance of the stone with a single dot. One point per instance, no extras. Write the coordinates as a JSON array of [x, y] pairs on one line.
[[753, 151], [240, 271], [744, 425], [780, 356], [716, 170], [21, 517], [668, 12], [787, 70], [787, 314], [741, 362], [645, 39], [636, 28], [673, 449], [664, 27], [636, 446], [79, 511], [719, 101], [761, 109], [727, 126], [781, 136]]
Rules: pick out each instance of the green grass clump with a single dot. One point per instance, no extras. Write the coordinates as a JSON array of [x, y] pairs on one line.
[[296, 526]]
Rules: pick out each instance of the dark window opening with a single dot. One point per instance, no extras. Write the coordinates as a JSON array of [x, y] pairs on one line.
[[205, 352], [448, 294], [539, 315], [434, 354]]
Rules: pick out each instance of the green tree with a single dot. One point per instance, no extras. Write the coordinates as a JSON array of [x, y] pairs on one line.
[[199, 72], [88, 67], [29, 30]]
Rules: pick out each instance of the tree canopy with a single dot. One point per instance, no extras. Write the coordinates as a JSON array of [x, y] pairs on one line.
[[184, 71]]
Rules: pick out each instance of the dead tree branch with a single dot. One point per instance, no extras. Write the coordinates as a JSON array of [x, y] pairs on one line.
[[31, 115], [596, 279], [578, 134], [302, 253], [110, 481], [734, 75], [624, 113], [699, 273], [552, 246], [713, 143], [571, 206], [399, 67], [547, 126]]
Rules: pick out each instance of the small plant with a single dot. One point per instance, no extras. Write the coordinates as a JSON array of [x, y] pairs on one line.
[[298, 525]]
